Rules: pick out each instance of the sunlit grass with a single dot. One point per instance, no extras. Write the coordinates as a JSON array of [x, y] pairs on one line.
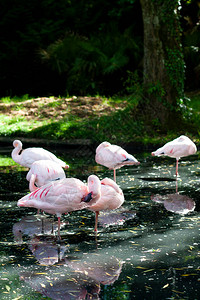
[[7, 164], [10, 126], [123, 125], [6, 161]]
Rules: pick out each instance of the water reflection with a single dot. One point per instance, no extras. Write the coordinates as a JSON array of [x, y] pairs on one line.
[[62, 284], [46, 249], [75, 278], [179, 204], [117, 217], [141, 252], [33, 225]]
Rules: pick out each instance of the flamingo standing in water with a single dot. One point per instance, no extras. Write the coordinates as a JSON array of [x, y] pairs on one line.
[[113, 157], [179, 147], [26, 157], [57, 197], [103, 195], [43, 171]]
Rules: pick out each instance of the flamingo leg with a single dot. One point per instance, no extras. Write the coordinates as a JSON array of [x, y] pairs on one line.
[[59, 228], [42, 231], [58, 245], [176, 167], [96, 220], [176, 185], [52, 226], [114, 175]]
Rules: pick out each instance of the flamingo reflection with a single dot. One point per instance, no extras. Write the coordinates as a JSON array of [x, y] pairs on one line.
[[118, 217], [46, 249], [179, 204], [76, 278], [32, 225]]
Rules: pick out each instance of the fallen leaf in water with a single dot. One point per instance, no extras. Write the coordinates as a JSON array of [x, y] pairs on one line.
[[179, 292], [8, 288], [149, 270], [188, 274]]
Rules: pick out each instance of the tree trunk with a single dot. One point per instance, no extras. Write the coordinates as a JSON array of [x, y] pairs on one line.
[[163, 70]]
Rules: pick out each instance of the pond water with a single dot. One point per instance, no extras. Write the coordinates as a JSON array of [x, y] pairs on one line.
[[147, 249]]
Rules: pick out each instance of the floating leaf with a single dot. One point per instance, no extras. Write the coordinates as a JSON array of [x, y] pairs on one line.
[[8, 288], [86, 272], [179, 292], [185, 275], [149, 270]]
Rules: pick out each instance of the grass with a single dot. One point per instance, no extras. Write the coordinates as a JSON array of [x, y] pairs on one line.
[[11, 126], [121, 126], [15, 99]]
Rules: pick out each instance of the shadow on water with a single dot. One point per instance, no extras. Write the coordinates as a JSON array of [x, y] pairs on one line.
[[147, 249]]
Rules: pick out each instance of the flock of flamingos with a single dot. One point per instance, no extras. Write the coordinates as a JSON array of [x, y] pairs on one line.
[[53, 193]]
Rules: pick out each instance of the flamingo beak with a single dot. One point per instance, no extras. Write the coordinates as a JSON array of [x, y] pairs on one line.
[[88, 198]]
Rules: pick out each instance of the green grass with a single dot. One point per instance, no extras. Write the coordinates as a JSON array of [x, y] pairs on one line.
[[11, 126], [15, 99], [121, 126]]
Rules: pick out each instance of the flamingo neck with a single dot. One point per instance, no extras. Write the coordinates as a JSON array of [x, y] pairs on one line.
[[16, 155]]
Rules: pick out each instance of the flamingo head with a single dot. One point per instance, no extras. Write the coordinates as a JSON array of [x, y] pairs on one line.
[[94, 186], [17, 143], [102, 146], [88, 197]]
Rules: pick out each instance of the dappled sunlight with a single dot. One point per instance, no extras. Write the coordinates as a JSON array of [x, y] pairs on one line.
[[148, 248]]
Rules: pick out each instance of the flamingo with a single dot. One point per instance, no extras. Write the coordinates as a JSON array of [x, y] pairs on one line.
[[103, 195], [43, 171], [113, 157], [57, 197], [29, 155], [179, 147]]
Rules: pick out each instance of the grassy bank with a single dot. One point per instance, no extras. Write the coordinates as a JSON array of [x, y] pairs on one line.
[[94, 118]]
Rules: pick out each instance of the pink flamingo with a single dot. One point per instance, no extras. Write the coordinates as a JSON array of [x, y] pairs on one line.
[[179, 147], [57, 197], [43, 171], [26, 157], [113, 157], [103, 195]]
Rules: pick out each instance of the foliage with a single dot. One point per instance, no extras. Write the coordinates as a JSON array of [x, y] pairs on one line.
[[30, 28], [191, 42], [8, 99], [93, 64]]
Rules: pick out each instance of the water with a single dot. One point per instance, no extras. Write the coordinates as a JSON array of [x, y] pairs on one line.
[[148, 249]]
